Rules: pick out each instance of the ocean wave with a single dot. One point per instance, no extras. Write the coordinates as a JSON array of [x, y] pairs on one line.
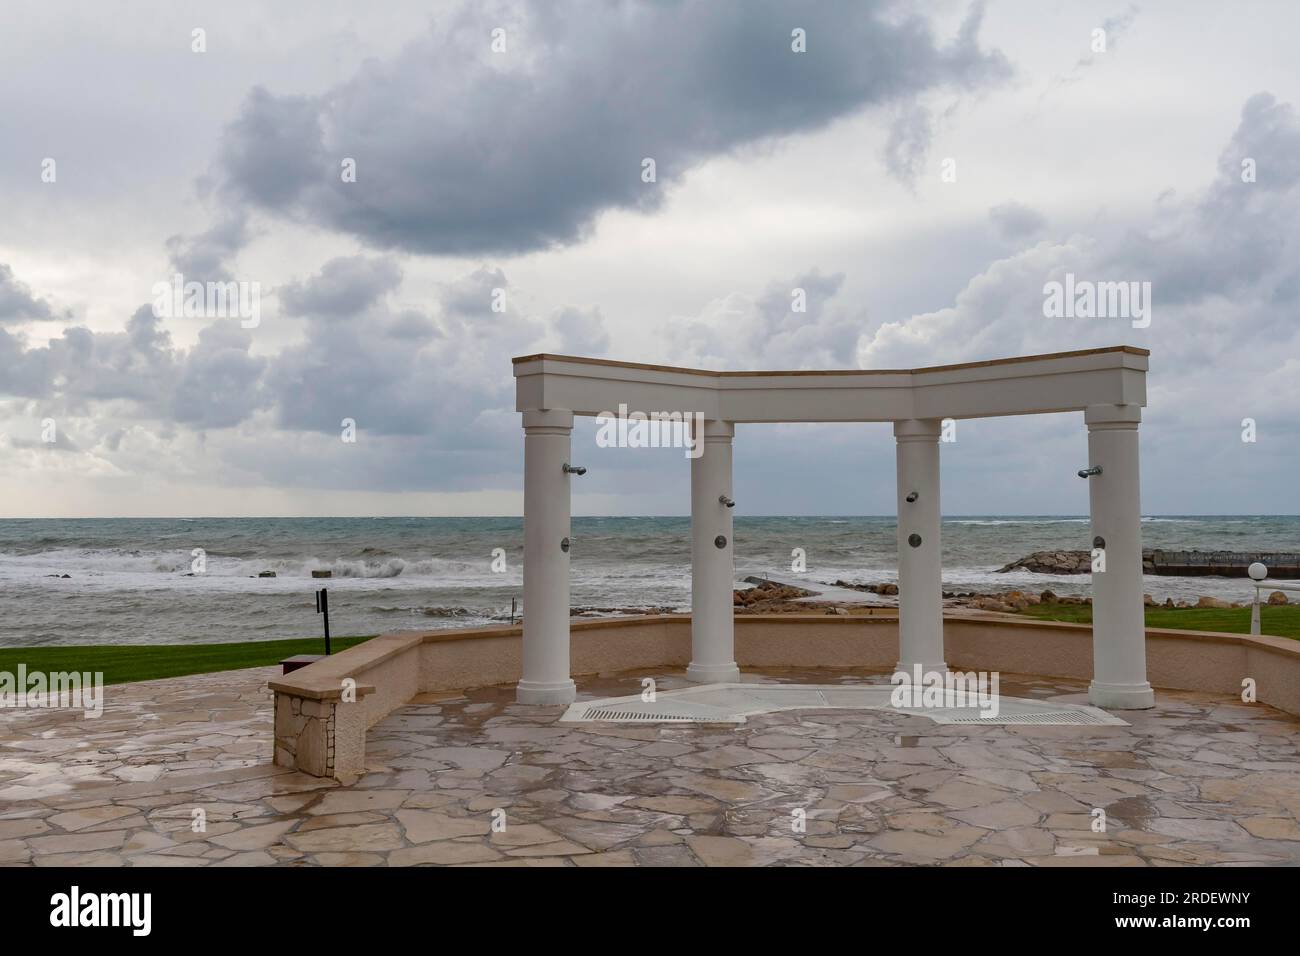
[[450, 612], [183, 563], [1001, 521], [391, 568]]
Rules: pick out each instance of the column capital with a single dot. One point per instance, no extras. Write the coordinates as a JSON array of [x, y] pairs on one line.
[[918, 429], [548, 418], [716, 430], [1112, 416]]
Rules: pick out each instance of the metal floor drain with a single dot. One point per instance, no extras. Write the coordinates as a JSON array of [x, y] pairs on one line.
[[1075, 717], [732, 703], [632, 716], [625, 716]]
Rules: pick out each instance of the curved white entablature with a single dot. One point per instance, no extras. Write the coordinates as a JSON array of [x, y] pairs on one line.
[[1029, 385]]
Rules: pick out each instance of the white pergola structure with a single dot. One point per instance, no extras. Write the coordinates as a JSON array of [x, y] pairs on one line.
[[1108, 385]]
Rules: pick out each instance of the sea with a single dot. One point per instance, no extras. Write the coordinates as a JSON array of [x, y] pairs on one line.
[[196, 580]]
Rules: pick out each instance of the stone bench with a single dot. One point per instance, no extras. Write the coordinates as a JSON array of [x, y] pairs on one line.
[[321, 730]]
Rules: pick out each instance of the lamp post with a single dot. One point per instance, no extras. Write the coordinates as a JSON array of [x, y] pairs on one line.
[[1258, 572]]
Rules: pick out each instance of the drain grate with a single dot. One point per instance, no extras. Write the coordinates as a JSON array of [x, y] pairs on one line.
[[664, 708], [613, 713], [1056, 717]]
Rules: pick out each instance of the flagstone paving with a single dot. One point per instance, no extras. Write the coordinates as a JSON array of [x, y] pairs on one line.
[[478, 780]]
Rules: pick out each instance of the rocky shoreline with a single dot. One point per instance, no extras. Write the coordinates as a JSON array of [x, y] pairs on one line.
[[773, 597]]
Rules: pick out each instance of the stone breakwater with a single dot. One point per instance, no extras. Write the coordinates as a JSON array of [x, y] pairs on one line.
[[1228, 564]]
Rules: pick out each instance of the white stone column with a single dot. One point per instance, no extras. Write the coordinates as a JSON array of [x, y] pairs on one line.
[[713, 567], [1119, 658], [920, 562], [546, 677]]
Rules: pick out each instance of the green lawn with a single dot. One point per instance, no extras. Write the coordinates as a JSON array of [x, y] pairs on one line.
[[1278, 621], [130, 662]]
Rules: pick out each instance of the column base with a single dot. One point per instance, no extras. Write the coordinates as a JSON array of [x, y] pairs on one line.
[[713, 673], [1121, 696], [546, 692], [909, 668]]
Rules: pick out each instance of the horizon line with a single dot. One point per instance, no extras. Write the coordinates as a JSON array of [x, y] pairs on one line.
[[397, 517]]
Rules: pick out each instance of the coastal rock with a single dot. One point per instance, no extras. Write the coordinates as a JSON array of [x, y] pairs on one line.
[[577, 611], [1277, 597], [266, 574], [771, 597], [322, 573], [767, 592], [1020, 600], [1052, 562], [875, 588]]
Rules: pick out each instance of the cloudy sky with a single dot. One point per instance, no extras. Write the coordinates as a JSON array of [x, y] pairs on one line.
[[920, 170]]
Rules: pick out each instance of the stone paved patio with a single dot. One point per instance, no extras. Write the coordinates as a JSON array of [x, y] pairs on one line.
[[1198, 780]]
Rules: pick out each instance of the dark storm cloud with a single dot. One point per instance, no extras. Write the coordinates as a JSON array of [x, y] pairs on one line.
[[908, 144], [397, 373], [460, 150], [17, 304], [219, 382], [581, 331], [139, 373], [202, 258], [1239, 236], [1224, 280], [345, 286], [23, 372], [1014, 220], [767, 330], [1113, 27]]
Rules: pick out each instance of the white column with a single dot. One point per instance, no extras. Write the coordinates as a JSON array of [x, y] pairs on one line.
[[920, 564], [1119, 659], [546, 677], [713, 566]]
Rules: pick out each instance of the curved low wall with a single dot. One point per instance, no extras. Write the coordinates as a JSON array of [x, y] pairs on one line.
[[322, 711]]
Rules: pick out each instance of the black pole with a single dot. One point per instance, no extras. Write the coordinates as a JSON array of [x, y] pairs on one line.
[[323, 607]]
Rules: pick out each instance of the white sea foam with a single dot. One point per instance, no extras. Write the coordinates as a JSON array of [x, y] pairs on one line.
[[132, 581]]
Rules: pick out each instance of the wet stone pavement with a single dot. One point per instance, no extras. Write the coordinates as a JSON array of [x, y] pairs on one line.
[[1198, 780]]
